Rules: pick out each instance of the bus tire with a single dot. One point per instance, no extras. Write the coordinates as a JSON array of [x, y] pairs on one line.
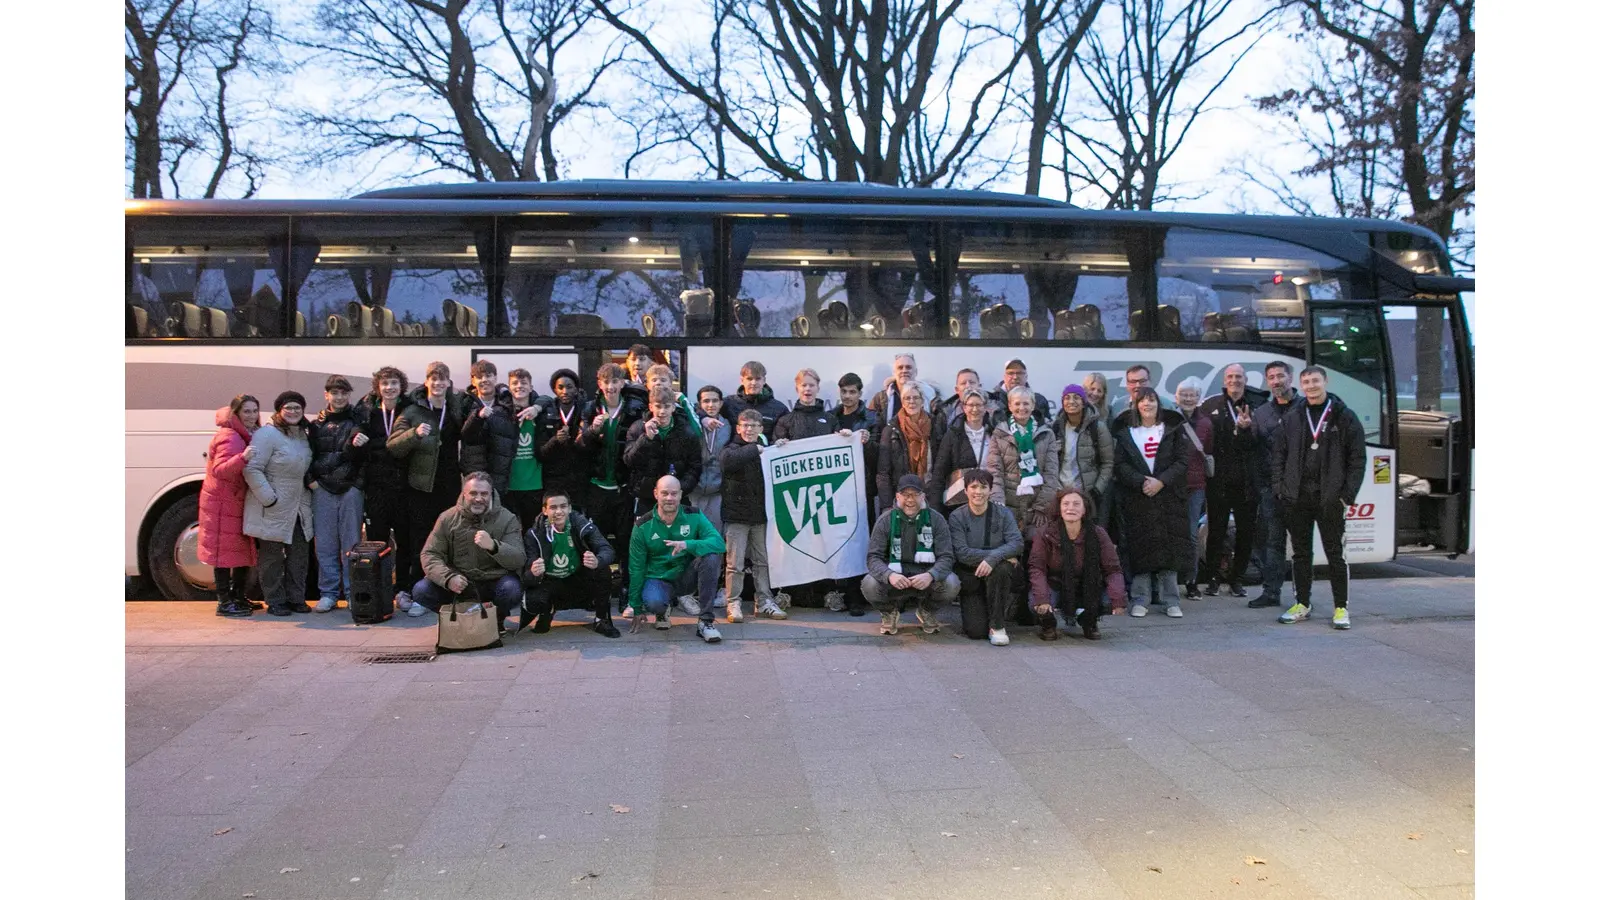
[[161, 556]]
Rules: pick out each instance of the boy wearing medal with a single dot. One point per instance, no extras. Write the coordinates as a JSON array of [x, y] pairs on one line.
[[561, 424], [1317, 464], [607, 420]]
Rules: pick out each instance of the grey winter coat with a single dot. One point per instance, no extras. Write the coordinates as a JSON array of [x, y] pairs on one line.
[[276, 476], [944, 558], [1004, 462], [1096, 453]]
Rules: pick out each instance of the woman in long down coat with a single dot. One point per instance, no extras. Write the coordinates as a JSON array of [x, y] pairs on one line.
[[1151, 475], [278, 510], [223, 543]]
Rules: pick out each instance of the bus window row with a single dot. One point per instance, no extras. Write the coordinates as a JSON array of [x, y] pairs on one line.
[[441, 277]]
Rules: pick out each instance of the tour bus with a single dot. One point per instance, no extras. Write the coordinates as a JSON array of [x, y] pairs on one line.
[[261, 296]]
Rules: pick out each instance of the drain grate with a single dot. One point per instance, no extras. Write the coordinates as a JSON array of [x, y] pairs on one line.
[[409, 656]]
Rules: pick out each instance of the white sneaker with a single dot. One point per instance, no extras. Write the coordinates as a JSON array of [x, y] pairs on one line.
[[1138, 612], [663, 621], [326, 604], [998, 637], [834, 601], [1174, 611], [690, 604], [417, 611], [771, 610], [402, 601], [627, 611], [708, 633], [736, 611], [891, 623], [721, 599]]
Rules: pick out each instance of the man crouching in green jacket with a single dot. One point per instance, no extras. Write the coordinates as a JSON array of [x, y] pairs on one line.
[[674, 551], [478, 544]]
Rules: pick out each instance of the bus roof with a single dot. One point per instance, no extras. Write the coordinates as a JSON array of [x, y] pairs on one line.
[[613, 197]]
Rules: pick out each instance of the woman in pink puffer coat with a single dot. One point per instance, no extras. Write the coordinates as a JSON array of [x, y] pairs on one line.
[[223, 543]]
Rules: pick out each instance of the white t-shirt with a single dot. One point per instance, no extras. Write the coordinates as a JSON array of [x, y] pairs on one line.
[[1147, 440]]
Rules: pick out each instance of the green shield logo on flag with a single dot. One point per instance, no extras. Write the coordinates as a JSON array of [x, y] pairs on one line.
[[814, 501]]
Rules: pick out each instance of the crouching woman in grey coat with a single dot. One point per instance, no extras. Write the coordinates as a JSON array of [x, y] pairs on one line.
[[278, 508]]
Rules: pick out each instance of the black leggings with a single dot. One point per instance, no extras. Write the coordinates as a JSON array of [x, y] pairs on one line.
[[231, 581]]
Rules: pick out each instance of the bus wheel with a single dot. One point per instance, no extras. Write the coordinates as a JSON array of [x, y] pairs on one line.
[[174, 560]]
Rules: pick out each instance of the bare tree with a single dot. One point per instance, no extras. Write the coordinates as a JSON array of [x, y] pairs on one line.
[[181, 57], [879, 91], [1059, 27], [1150, 72], [467, 87], [1392, 90]]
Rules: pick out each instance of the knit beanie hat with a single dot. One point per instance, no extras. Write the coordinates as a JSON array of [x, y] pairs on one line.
[[288, 397], [1075, 389]]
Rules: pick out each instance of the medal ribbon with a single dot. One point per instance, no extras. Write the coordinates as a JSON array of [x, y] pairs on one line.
[[1316, 430]]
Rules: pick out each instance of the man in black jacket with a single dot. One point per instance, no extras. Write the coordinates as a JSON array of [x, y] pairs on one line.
[[1231, 488], [754, 393], [1271, 532], [1016, 375], [388, 509], [568, 564], [609, 503], [1317, 466], [335, 479], [662, 444]]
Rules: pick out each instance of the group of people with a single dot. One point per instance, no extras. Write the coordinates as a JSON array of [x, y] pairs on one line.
[[531, 501]]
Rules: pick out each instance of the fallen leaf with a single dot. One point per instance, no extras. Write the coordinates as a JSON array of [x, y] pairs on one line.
[[221, 831], [1460, 851], [286, 870], [585, 875], [300, 734], [1254, 861], [948, 833], [1414, 836], [248, 894], [1261, 878], [1155, 869], [959, 755], [499, 846], [619, 808]]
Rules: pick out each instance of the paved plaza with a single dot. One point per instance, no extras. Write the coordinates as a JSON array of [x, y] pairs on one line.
[[1220, 754]]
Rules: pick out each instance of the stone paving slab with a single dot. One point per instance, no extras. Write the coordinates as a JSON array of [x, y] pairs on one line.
[[810, 758]]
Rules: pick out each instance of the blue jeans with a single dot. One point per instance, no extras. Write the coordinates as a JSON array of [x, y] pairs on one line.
[[336, 518], [699, 577], [1275, 524], [1197, 511], [505, 591]]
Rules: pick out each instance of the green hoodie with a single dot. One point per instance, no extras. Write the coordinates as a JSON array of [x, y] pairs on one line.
[[650, 557]]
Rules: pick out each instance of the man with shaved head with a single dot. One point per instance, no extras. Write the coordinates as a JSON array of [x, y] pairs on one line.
[[674, 552], [1231, 489]]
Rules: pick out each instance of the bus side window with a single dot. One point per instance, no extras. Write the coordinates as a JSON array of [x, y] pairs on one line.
[[1017, 281], [204, 277]]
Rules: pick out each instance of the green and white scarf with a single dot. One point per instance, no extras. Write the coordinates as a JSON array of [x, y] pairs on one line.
[[924, 549], [1026, 461], [563, 556]]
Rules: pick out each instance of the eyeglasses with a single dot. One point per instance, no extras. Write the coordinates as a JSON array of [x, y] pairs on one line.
[[292, 407]]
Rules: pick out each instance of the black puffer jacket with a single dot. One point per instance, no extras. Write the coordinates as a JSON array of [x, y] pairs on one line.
[[805, 422], [743, 500], [333, 468], [565, 460], [1340, 457], [894, 462], [536, 544], [593, 438], [677, 453], [490, 444], [1155, 529], [770, 407], [1041, 406], [381, 471]]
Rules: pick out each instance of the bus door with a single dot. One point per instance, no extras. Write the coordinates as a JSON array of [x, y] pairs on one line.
[[1347, 341], [1427, 340]]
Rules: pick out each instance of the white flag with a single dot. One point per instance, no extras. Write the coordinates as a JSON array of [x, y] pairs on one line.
[[816, 500]]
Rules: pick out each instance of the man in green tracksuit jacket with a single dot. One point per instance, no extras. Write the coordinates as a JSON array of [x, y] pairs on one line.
[[673, 551]]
